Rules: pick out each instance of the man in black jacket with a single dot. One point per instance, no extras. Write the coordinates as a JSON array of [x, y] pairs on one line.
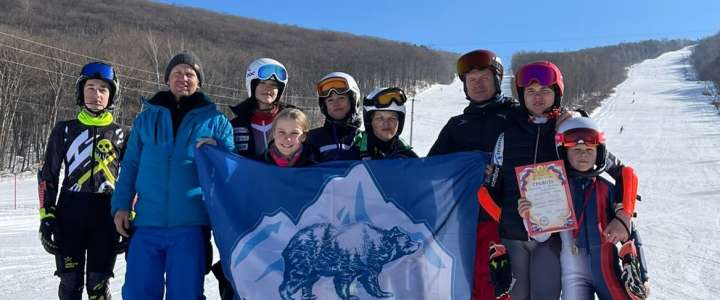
[[476, 129]]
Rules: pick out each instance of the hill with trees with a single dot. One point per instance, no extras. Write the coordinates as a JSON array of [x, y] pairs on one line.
[[591, 74], [43, 44]]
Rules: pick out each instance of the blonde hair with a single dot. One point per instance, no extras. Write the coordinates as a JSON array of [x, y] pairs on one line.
[[293, 114]]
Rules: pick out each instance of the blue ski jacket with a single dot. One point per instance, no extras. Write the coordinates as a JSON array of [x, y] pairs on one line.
[[159, 165]]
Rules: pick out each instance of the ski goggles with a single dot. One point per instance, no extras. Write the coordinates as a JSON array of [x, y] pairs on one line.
[[98, 70], [387, 97], [333, 84], [542, 74], [478, 60], [267, 71], [579, 136]]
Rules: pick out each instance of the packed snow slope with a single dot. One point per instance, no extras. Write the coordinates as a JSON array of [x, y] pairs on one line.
[[670, 134]]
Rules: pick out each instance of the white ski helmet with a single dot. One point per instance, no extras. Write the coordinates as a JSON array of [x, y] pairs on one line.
[[340, 83], [385, 99], [582, 130], [264, 69]]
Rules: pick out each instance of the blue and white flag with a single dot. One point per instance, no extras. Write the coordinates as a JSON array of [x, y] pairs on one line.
[[399, 229]]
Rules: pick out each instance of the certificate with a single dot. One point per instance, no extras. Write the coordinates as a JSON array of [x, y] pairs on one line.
[[545, 185]]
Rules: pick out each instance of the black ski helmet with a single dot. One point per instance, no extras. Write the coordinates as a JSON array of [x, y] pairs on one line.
[[97, 70]]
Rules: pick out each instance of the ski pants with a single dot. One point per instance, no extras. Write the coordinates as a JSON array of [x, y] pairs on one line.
[[487, 232], [536, 268], [166, 261], [87, 240]]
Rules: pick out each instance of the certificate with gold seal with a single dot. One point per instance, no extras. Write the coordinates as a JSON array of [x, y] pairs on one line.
[[546, 187]]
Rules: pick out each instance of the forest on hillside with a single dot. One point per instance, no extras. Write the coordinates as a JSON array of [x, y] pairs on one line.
[[43, 44], [590, 75], [706, 59]]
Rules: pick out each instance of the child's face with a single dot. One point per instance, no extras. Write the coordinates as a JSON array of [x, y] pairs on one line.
[[582, 157], [266, 91], [385, 124], [288, 136], [96, 94], [337, 106]]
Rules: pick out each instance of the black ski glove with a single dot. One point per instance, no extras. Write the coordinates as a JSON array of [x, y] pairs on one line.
[[500, 271], [631, 276], [48, 230]]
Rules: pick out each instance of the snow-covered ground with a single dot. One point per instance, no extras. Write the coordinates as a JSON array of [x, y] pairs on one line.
[[671, 135]]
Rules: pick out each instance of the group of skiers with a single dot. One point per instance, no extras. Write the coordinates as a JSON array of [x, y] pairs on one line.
[[137, 191]]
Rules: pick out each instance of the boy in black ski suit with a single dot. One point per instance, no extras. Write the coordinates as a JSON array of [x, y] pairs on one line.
[[78, 229]]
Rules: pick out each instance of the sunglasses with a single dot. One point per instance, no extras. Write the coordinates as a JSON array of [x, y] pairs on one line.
[[98, 70], [579, 136], [267, 71], [387, 97]]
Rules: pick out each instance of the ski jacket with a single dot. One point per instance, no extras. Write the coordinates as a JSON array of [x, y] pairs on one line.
[[477, 129], [522, 143], [594, 209], [90, 152], [160, 168], [251, 139], [368, 148], [335, 141]]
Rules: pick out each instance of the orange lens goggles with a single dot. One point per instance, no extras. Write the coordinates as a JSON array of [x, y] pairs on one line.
[[386, 98], [334, 84]]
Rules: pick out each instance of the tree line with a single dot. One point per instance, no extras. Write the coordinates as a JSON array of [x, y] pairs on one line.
[[705, 58], [43, 45], [591, 74]]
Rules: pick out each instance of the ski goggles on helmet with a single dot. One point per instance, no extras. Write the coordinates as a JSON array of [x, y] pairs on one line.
[[579, 136], [387, 97], [479, 59], [543, 74], [333, 84], [98, 70], [267, 71]]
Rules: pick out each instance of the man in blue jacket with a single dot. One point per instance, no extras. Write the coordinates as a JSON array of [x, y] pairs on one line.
[[159, 182]]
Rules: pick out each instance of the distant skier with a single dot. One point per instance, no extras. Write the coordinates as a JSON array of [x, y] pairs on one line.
[[621, 128], [78, 229]]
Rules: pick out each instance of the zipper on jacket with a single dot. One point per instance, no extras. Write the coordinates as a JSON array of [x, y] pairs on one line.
[[537, 143], [93, 161], [192, 130]]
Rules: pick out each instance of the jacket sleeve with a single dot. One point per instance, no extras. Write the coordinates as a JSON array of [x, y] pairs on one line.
[[125, 188], [224, 134], [490, 195], [443, 144], [49, 176]]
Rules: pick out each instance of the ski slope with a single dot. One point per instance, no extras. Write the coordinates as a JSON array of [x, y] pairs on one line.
[[671, 135]]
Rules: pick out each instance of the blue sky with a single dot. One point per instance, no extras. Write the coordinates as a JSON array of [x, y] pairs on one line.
[[504, 26]]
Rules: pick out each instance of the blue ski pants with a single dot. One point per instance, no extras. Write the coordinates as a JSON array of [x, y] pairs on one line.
[[165, 260]]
